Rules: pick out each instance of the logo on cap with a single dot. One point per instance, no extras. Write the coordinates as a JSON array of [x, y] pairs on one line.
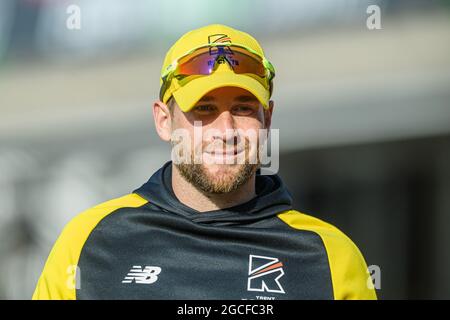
[[219, 38]]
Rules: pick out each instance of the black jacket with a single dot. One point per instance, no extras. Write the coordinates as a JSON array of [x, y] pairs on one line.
[[148, 245]]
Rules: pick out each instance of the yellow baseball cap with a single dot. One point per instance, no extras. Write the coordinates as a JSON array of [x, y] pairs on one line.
[[188, 93]]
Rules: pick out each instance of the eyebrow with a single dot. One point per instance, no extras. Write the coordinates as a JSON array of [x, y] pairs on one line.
[[206, 99], [245, 98]]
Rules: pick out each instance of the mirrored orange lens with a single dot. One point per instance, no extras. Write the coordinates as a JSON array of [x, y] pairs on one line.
[[203, 61]]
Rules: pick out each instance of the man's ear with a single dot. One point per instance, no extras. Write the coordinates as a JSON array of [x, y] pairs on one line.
[[163, 120], [268, 115]]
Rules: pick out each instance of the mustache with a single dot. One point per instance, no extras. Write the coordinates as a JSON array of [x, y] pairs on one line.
[[237, 148], [237, 143]]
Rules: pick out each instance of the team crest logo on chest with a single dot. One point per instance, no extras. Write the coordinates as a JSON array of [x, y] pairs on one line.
[[264, 274]]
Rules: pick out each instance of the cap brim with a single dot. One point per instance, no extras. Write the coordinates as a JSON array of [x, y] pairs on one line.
[[189, 94]]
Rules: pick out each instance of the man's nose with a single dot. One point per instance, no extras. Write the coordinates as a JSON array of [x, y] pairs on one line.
[[224, 122]]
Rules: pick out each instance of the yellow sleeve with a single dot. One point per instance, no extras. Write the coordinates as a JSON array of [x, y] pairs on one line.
[[58, 279], [349, 274]]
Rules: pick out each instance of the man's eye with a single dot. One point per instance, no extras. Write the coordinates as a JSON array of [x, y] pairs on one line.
[[204, 108], [243, 110]]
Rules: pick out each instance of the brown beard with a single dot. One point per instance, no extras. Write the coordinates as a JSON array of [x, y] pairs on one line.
[[197, 175]]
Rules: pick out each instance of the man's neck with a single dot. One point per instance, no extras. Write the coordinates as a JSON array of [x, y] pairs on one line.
[[201, 201]]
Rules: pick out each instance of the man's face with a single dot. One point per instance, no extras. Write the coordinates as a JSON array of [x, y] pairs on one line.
[[225, 153]]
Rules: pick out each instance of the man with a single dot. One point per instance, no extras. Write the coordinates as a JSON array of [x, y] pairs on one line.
[[206, 226]]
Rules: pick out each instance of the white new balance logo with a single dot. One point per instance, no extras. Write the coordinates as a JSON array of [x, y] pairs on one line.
[[141, 275]]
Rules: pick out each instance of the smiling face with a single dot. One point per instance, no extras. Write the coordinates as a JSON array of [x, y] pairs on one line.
[[224, 156]]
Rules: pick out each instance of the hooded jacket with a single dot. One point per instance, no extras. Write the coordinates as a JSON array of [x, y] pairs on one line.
[[149, 245]]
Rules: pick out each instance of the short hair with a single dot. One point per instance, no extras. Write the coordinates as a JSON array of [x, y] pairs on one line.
[[171, 105]]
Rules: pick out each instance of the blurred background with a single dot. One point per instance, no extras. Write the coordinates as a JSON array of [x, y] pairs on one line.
[[364, 119]]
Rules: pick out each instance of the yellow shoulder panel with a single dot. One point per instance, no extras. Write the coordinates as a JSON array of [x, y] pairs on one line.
[[58, 279], [350, 277]]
